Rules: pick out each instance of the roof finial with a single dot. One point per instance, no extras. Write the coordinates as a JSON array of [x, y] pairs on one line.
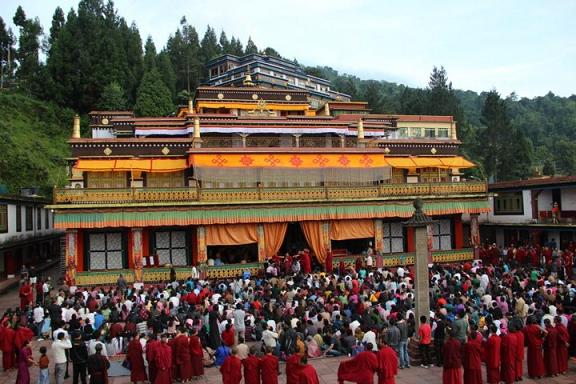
[[248, 80]]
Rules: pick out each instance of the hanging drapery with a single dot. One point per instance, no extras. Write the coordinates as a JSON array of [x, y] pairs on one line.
[[274, 234], [231, 234], [313, 232], [351, 229]]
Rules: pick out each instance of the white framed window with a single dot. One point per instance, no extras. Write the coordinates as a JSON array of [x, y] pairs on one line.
[[393, 237]]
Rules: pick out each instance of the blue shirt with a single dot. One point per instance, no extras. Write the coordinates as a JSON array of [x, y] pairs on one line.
[[98, 321]]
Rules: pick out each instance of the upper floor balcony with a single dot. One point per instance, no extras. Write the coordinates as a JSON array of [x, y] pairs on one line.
[[199, 195]]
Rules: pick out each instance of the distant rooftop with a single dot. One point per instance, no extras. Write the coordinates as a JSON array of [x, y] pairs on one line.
[[534, 183]]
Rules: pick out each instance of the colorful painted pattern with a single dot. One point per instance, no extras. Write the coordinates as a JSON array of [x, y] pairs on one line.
[[296, 160]]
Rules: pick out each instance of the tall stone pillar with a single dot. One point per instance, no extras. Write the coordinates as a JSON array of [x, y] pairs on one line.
[[378, 236], [201, 244], [137, 247], [71, 254], [420, 222], [261, 243]]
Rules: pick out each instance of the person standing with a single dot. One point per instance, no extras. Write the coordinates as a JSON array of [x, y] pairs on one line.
[[360, 368], [507, 354], [196, 354], [231, 370], [519, 355], [293, 368], [550, 347], [439, 336], [239, 321], [269, 368], [43, 363], [151, 350], [24, 361], [425, 337], [306, 373], [562, 345], [493, 356], [163, 362], [79, 357], [472, 359], [452, 360], [387, 364], [134, 355], [98, 366], [251, 366], [7, 335], [59, 347], [402, 325], [534, 339], [182, 357], [26, 295]]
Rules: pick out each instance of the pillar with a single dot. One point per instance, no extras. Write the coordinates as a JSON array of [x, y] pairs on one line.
[[421, 271], [202, 249], [297, 139], [71, 254], [342, 141], [326, 236], [378, 236], [76, 127], [458, 232], [261, 243], [474, 230], [137, 251], [410, 239]]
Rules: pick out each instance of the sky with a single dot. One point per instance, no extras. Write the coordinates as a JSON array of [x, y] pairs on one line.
[[526, 46]]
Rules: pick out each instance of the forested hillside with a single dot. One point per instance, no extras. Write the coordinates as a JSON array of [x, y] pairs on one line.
[[95, 59]]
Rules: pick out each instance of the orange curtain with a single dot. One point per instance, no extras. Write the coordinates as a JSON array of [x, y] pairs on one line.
[[314, 237], [274, 234], [231, 234], [351, 229]]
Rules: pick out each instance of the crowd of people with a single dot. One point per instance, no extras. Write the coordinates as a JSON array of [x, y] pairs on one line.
[[487, 311]]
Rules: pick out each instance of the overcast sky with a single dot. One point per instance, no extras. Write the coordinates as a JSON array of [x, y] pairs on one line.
[[524, 46]]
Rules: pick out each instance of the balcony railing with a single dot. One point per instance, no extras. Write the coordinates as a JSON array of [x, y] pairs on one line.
[[326, 193]]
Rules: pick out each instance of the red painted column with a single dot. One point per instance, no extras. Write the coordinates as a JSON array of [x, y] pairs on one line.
[[458, 232], [411, 247]]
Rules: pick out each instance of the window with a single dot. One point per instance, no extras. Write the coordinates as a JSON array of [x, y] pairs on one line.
[[442, 235], [393, 237], [18, 218], [46, 219], [509, 203], [403, 132], [443, 133], [39, 218], [107, 179], [29, 218], [171, 247], [415, 132], [106, 251], [3, 218], [430, 133], [165, 179]]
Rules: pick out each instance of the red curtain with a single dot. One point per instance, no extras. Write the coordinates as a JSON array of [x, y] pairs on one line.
[[274, 234], [231, 234], [351, 229], [313, 233]]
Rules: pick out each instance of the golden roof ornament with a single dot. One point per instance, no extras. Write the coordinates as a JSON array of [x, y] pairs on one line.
[[248, 80]]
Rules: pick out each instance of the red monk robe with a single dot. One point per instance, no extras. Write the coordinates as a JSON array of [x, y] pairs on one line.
[[293, 369], [534, 338], [452, 361], [26, 295], [21, 334], [231, 370], [493, 359], [519, 355], [562, 347], [307, 375], [134, 356], [387, 365], [163, 364], [550, 357], [151, 351], [305, 262], [507, 354], [183, 359], [196, 355], [269, 369], [472, 361], [7, 346], [329, 261], [359, 369], [251, 366]]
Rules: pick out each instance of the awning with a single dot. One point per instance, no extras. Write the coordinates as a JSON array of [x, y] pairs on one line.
[[292, 160], [429, 162], [125, 165]]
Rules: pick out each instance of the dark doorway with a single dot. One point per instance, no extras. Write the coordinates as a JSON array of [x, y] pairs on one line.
[[353, 246], [294, 240], [234, 254], [556, 198]]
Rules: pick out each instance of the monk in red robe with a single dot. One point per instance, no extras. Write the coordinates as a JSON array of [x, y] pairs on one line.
[[562, 346], [452, 360], [387, 365], [196, 355], [360, 369], [269, 368], [7, 345], [550, 346], [232, 369], [163, 362], [251, 366], [472, 359], [134, 356], [493, 357], [151, 349], [306, 373], [21, 335], [507, 354], [329, 261], [183, 359], [293, 369], [26, 295], [305, 262], [534, 338]]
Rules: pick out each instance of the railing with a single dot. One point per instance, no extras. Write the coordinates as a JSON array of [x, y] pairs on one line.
[[191, 194]]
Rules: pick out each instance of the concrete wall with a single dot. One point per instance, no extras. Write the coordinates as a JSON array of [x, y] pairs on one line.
[[490, 217], [545, 201], [13, 235], [568, 199]]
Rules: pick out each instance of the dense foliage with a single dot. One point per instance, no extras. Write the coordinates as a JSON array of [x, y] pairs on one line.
[[95, 60]]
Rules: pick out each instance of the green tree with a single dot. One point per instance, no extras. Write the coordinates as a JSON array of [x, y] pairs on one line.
[[236, 47], [183, 49], [370, 92], [27, 53], [268, 51], [153, 97], [7, 54], [58, 21], [112, 98], [549, 168], [224, 43], [565, 157], [250, 47], [167, 72], [149, 55], [209, 47]]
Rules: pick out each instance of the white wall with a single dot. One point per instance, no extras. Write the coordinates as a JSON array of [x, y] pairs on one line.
[[13, 235], [568, 199], [545, 201], [526, 217]]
